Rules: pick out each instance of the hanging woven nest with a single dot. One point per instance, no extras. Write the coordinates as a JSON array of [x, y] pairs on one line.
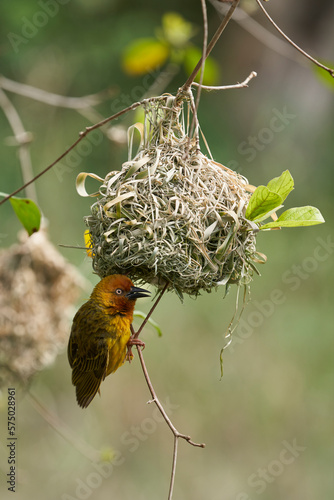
[[171, 213]]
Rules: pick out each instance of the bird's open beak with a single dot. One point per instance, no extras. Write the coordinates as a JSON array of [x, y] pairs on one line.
[[136, 293]]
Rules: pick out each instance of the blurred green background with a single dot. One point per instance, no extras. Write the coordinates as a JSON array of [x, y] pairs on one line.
[[278, 379]]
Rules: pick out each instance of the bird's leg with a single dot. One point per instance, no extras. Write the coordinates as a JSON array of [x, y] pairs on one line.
[[129, 354], [133, 341], [136, 342]]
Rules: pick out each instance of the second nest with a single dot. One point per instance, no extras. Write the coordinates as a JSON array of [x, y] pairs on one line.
[[172, 214]]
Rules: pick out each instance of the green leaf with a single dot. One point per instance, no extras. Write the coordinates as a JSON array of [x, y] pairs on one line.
[[211, 71], [144, 55], [28, 213], [282, 185], [297, 217], [140, 314], [262, 202]]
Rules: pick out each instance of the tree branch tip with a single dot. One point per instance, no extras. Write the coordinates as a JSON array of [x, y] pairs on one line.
[[198, 445], [188, 439]]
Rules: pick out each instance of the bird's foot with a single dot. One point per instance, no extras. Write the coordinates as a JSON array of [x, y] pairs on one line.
[[136, 342], [132, 342], [129, 355]]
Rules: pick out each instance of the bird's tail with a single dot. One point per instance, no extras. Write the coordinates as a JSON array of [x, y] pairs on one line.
[[86, 388]]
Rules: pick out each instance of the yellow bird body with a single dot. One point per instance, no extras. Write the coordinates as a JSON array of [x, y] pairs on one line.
[[118, 345], [100, 334]]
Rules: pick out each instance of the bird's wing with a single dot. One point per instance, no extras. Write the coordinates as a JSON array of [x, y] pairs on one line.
[[93, 358], [88, 354], [88, 332], [89, 371]]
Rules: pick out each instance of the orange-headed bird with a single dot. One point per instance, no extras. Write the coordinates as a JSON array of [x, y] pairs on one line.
[[100, 333]]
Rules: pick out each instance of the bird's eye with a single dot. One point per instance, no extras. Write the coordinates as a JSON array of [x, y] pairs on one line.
[[118, 291]]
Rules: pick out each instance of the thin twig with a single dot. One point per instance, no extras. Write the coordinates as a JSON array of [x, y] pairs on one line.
[[160, 407], [326, 68], [82, 135], [263, 35], [245, 83], [176, 433], [136, 335], [72, 246], [194, 122], [213, 42], [22, 140], [83, 105], [94, 116], [204, 51], [172, 476], [48, 97]]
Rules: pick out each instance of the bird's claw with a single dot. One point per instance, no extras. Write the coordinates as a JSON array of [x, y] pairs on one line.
[[129, 355], [132, 342], [136, 342]]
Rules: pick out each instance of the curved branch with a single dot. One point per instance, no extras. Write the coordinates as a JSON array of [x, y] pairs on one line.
[[315, 61]]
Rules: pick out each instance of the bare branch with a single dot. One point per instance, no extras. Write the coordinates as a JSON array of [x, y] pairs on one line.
[[83, 105], [176, 433], [252, 75], [315, 61], [82, 135], [136, 335], [263, 35], [22, 140], [172, 477], [213, 42], [254, 28], [48, 97], [194, 122], [160, 407]]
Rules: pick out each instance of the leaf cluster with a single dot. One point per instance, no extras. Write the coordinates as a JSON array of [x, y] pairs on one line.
[[267, 199]]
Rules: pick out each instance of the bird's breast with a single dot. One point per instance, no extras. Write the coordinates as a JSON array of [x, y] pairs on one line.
[[117, 346]]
